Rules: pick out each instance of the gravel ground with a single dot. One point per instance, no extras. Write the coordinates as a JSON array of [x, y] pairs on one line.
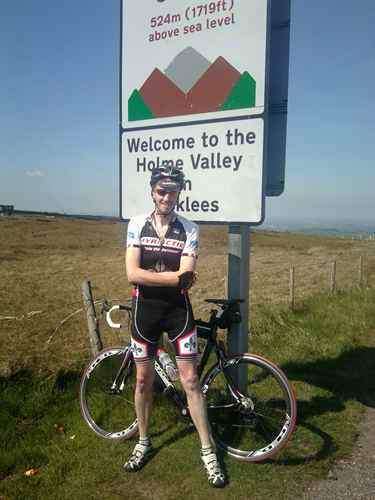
[[354, 477]]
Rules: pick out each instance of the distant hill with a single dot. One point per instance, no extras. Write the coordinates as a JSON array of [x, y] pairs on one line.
[[337, 228]]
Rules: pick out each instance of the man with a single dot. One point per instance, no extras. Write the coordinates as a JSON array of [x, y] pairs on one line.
[[160, 262]]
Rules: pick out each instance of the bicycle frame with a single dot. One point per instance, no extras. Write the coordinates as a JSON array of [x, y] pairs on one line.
[[238, 415], [206, 330]]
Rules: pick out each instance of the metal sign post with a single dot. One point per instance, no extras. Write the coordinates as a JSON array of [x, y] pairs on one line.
[[238, 287]]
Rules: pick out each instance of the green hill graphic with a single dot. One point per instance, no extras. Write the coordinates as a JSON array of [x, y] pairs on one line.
[[242, 95], [137, 108]]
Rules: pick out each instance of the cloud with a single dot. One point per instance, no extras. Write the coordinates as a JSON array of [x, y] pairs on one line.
[[35, 173]]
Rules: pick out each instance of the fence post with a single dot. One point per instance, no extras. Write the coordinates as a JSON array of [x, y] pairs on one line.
[[360, 272], [333, 277], [291, 287], [92, 321]]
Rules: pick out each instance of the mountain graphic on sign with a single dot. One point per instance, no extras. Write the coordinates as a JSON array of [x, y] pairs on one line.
[[192, 84]]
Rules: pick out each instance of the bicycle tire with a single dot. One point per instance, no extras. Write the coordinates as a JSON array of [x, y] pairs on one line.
[[261, 425], [107, 404]]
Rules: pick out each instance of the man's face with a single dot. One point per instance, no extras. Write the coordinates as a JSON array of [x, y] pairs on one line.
[[165, 199]]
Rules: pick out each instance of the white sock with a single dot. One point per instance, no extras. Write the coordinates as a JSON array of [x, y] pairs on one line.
[[206, 450], [145, 441]]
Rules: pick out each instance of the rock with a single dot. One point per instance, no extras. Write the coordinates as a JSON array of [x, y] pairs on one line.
[[332, 475], [5, 369]]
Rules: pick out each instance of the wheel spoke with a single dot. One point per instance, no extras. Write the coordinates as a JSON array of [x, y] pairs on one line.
[[250, 430], [220, 407], [106, 409]]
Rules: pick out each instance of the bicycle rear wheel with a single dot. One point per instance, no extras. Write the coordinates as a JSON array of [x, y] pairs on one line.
[[253, 420], [107, 394]]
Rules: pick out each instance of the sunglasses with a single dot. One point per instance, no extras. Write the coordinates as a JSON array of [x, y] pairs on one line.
[[163, 192]]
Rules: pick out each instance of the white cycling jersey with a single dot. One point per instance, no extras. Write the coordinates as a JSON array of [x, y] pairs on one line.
[[158, 255]]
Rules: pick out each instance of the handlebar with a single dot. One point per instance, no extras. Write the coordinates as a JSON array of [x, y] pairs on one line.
[[108, 310], [109, 319]]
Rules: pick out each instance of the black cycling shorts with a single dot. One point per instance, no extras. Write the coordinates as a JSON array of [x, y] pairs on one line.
[[153, 316]]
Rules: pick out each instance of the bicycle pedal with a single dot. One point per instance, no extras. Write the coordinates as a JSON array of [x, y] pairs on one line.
[[186, 415], [114, 392]]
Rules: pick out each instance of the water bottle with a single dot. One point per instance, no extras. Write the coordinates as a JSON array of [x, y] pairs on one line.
[[167, 364]]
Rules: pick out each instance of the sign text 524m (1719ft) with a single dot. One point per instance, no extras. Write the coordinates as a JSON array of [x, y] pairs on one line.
[[195, 18]]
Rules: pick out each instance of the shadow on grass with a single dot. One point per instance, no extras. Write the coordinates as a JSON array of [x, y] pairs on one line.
[[189, 429], [350, 376]]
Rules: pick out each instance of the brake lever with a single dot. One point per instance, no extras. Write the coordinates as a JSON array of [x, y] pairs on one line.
[[105, 307]]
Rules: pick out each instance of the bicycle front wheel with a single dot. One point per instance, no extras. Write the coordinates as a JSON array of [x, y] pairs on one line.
[[251, 407], [107, 394]]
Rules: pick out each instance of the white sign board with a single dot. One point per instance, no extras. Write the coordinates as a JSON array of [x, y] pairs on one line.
[[193, 93], [220, 160]]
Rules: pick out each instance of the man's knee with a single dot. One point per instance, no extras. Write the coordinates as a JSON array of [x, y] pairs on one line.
[[190, 382], [144, 379]]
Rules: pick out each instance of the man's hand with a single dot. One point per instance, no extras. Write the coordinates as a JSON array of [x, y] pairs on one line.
[[186, 280]]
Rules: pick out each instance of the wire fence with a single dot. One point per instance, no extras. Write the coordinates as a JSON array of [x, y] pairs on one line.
[[359, 280]]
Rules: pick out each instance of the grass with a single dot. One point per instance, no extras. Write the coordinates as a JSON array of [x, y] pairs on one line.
[[327, 350], [44, 260]]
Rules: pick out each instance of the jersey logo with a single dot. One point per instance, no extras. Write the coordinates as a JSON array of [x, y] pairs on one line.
[[139, 349], [188, 344], [169, 243], [149, 241]]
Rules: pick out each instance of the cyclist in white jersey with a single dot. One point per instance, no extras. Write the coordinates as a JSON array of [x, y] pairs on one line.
[[160, 262]]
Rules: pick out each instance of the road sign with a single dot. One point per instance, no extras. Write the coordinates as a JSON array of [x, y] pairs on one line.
[[222, 161], [194, 92]]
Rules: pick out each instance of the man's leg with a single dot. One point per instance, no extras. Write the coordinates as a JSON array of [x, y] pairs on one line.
[[198, 411], [196, 402], [143, 403], [143, 395]]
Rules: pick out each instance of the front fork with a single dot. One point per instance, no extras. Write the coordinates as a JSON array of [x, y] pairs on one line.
[[242, 399], [121, 377]]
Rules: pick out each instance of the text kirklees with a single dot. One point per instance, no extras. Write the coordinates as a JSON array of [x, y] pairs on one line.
[[188, 205]]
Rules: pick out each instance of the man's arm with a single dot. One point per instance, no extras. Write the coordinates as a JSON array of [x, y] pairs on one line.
[[139, 276], [187, 263]]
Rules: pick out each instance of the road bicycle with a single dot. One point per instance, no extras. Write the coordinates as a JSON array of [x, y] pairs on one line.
[[251, 404]]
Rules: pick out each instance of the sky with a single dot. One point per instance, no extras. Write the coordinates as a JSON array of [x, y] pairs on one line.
[[59, 109]]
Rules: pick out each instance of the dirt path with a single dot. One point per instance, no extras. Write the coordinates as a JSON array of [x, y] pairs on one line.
[[352, 478]]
